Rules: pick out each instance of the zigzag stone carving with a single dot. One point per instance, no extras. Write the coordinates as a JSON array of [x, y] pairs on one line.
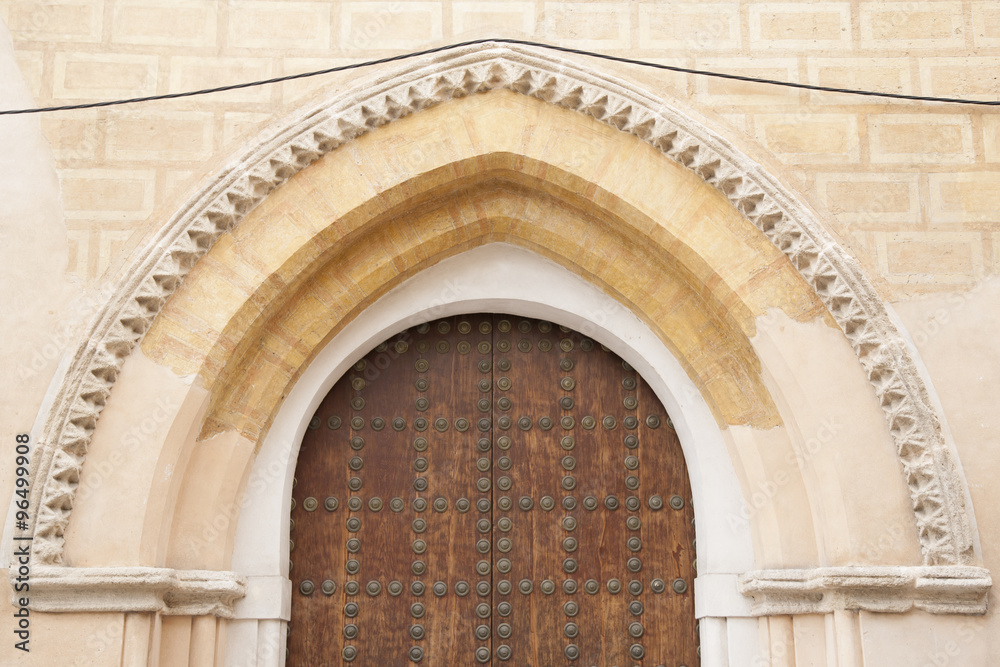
[[929, 468]]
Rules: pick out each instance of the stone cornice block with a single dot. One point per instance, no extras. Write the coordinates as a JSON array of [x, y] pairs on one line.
[[938, 590], [134, 589]]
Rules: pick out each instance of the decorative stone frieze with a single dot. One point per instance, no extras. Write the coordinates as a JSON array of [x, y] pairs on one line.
[[936, 487], [938, 590], [135, 589]]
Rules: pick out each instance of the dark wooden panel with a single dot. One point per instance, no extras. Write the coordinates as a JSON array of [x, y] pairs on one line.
[[501, 402]]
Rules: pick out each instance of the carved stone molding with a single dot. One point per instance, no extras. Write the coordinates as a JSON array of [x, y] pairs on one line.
[[936, 486], [938, 590], [135, 589]]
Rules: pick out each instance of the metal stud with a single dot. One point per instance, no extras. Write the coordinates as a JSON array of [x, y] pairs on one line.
[[329, 587], [570, 544], [680, 586], [485, 366], [378, 424], [420, 424], [333, 423], [629, 383], [630, 422], [484, 347], [421, 384], [417, 588], [504, 483], [636, 651], [571, 608], [566, 402], [633, 564], [504, 463], [609, 422], [420, 444], [566, 365], [357, 423], [632, 504], [418, 567], [590, 503], [504, 609], [443, 346], [611, 502], [504, 503], [655, 502], [631, 462], [634, 544], [485, 327], [483, 505], [547, 503], [588, 423], [504, 565], [307, 587], [569, 523], [572, 651], [504, 442], [483, 588], [568, 462], [567, 383], [420, 484], [504, 422], [632, 482], [310, 504], [419, 504], [483, 525], [354, 524], [631, 441], [354, 545], [524, 423], [571, 630], [505, 544], [351, 609], [484, 385], [566, 345], [505, 524], [352, 566], [630, 402], [441, 424], [483, 484], [567, 442], [569, 586], [349, 653], [462, 588], [396, 504], [483, 404], [503, 364], [504, 652], [592, 586], [524, 345], [545, 423], [503, 345], [483, 546], [358, 403], [570, 565], [504, 384], [464, 347], [395, 588], [373, 588], [422, 404], [567, 422], [417, 610], [548, 587], [417, 632], [375, 504], [635, 608], [525, 586], [355, 483], [635, 587], [350, 631], [482, 654], [657, 585], [614, 586], [504, 587], [633, 523], [652, 421], [504, 630], [483, 610], [419, 546], [544, 345], [483, 632], [440, 504], [676, 502], [440, 588], [483, 567]]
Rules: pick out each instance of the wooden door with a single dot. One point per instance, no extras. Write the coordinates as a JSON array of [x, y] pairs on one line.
[[490, 489]]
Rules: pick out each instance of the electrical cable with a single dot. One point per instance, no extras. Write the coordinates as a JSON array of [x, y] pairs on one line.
[[551, 47]]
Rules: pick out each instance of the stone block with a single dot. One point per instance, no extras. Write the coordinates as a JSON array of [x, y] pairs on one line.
[[74, 135], [588, 25], [942, 258], [920, 138], [991, 137], [813, 26], [264, 24], [494, 18], [965, 197], [366, 26], [890, 75], [56, 20], [971, 76], [173, 23], [108, 194], [166, 136], [240, 126], [908, 25], [298, 89], [690, 26], [811, 138], [870, 199], [717, 92], [986, 24], [32, 64], [196, 73], [103, 75]]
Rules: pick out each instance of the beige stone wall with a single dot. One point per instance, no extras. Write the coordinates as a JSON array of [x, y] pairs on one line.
[[912, 188]]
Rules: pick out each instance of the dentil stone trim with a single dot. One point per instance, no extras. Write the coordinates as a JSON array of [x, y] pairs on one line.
[[936, 486], [134, 589], [938, 590]]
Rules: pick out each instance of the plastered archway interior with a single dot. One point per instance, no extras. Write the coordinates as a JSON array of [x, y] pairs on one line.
[[268, 297]]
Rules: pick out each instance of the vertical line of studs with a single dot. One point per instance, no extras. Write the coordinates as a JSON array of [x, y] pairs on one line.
[[418, 525], [502, 487], [633, 522], [569, 544]]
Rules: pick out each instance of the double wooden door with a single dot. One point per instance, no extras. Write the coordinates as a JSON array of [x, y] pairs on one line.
[[490, 489]]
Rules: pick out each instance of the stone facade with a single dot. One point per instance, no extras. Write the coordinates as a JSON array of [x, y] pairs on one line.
[[816, 272]]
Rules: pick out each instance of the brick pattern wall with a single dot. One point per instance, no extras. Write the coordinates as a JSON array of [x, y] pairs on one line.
[[913, 189]]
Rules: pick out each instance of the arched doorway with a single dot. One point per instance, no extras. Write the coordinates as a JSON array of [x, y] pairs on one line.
[[492, 489]]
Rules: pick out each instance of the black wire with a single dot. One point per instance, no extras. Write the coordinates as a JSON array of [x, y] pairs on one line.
[[551, 47]]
